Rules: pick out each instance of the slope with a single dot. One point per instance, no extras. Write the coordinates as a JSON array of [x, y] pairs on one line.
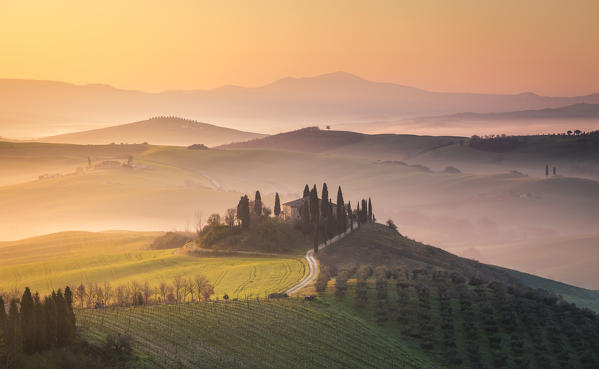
[[120, 257], [159, 131], [375, 244]]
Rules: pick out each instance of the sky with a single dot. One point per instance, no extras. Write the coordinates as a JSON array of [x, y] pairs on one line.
[[510, 46]]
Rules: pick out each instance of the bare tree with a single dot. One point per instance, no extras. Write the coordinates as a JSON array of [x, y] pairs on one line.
[[178, 282], [108, 293], [163, 290], [230, 217], [147, 292], [80, 294]]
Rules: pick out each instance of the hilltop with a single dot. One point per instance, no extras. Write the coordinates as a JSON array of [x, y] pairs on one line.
[[158, 131]]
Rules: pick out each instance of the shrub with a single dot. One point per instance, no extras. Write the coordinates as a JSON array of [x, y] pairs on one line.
[[171, 240]]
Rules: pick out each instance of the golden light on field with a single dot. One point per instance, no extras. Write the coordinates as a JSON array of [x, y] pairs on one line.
[[466, 45]]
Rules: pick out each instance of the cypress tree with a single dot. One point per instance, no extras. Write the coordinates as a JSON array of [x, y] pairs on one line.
[[14, 337], [306, 191], [369, 210], [364, 216], [277, 205], [341, 217], [68, 295], [3, 317], [258, 204], [324, 204], [314, 208], [63, 327], [350, 215], [27, 321], [243, 211], [41, 331], [50, 312], [2, 346]]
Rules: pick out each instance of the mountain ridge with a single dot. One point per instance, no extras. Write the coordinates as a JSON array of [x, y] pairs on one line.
[[43, 108]]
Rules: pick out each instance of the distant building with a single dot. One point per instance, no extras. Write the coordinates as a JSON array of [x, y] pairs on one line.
[[292, 210]]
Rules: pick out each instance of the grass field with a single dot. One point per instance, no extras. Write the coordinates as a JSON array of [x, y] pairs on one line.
[[252, 334], [70, 258]]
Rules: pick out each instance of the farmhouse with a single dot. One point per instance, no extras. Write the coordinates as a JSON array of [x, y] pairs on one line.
[[292, 210]]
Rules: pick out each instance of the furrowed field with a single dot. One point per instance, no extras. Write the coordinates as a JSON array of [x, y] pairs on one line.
[[251, 334], [50, 262]]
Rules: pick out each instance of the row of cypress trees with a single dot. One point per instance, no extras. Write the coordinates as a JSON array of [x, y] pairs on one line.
[[318, 215], [33, 325]]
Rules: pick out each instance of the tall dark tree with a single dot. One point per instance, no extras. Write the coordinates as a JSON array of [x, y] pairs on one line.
[[350, 216], [243, 211], [14, 337], [277, 205], [28, 325], [314, 208], [258, 203], [305, 217], [41, 331], [341, 216], [547, 170], [370, 216], [2, 347], [50, 311], [64, 329], [324, 204], [331, 221], [68, 296], [306, 191], [3, 317], [364, 214]]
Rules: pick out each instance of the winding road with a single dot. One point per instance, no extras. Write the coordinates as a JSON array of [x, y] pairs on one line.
[[313, 264]]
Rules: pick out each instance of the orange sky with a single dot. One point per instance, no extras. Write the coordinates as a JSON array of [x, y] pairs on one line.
[[545, 46]]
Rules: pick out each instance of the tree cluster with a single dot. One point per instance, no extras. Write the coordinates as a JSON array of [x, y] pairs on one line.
[[33, 325]]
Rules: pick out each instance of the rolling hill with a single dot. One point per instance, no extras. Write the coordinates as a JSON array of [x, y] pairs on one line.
[[158, 131], [574, 111], [169, 186], [573, 155], [29, 108], [49, 262], [375, 244]]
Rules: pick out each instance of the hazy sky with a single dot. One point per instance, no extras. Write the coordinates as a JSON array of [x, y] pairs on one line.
[[545, 46]]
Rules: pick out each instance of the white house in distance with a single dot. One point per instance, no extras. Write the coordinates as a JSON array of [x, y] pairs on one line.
[[291, 210]]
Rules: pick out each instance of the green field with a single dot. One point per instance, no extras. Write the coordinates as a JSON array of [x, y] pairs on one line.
[[70, 258], [252, 334]]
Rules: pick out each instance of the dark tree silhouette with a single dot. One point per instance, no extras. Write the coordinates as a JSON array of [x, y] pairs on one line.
[[258, 203], [350, 215], [314, 208], [243, 211], [547, 170], [324, 204], [27, 321], [341, 216], [14, 337], [277, 205], [306, 191], [370, 215]]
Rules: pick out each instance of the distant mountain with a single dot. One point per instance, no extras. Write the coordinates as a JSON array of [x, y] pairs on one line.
[[574, 111], [159, 131], [28, 107]]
